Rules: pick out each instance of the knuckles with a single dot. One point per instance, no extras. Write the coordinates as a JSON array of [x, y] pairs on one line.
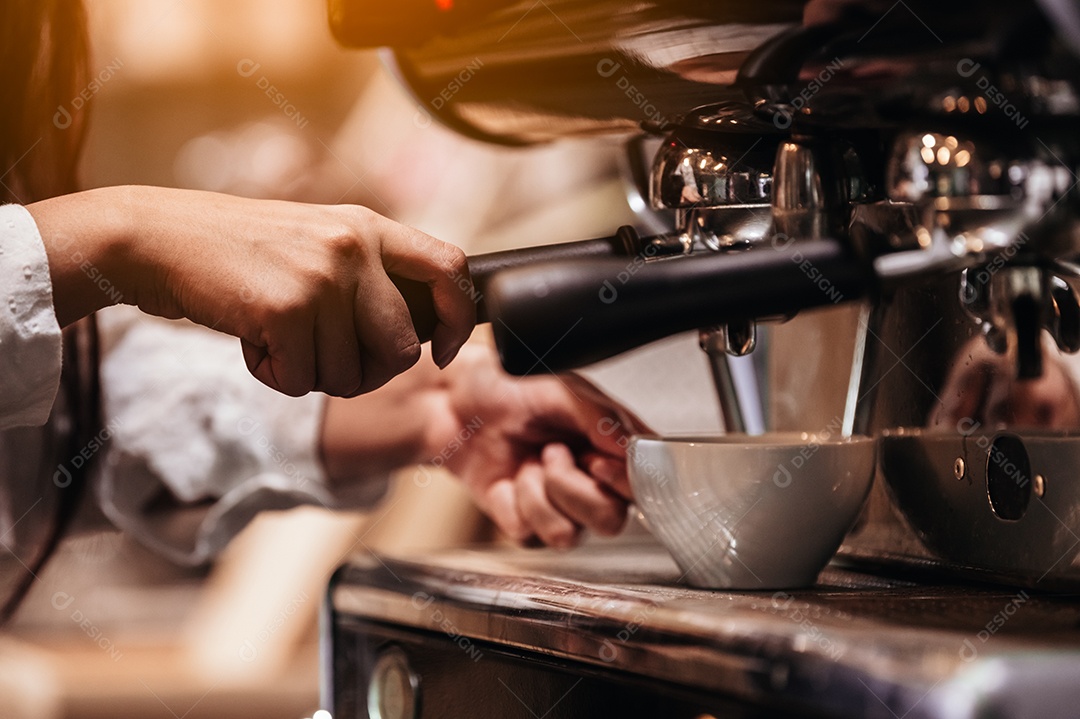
[[345, 246], [453, 262], [286, 306]]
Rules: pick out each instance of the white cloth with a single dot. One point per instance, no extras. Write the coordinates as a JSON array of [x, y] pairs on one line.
[[29, 332], [189, 425]]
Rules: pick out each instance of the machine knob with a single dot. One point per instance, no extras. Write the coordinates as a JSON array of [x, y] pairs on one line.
[[394, 689]]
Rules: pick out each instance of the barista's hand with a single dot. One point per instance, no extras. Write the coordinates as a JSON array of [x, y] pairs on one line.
[[304, 287], [544, 457]]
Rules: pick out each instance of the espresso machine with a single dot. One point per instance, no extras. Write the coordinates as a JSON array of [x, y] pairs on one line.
[[909, 166]]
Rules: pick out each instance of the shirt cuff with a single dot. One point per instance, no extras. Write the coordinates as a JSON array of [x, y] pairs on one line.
[[30, 344]]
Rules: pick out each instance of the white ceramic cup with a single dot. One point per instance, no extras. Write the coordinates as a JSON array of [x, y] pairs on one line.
[[742, 512]]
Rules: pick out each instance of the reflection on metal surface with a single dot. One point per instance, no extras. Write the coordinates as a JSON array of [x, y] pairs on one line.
[[716, 167], [976, 199], [573, 67], [952, 379], [735, 377], [715, 170], [993, 511], [952, 375], [803, 203]]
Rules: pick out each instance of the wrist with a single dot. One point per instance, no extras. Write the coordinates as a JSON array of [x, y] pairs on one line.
[[455, 403], [126, 258], [392, 427], [86, 238]]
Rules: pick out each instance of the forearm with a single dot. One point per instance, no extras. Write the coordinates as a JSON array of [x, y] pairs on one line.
[[391, 427], [88, 242]]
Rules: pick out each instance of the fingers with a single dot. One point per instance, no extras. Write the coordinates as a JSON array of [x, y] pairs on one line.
[[609, 426], [579, 496], [387, 341], [341, 350], [414, 255], [501, 504], [584, 388], [287, 361], [355, 331], [549, 523], [340, 325], [610, 473], [338, 353], [552, 500], [569, 405]]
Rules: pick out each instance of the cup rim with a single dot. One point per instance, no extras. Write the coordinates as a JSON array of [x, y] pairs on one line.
[[778, 440]]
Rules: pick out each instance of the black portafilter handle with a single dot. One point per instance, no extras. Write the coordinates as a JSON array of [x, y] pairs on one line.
[[557, 316], [558, 307], [624, 243]]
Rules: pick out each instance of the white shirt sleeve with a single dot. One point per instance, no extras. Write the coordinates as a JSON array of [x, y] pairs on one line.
[[29, 333], [197, 445]]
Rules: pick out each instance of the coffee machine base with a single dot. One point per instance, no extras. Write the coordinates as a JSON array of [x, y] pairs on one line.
[[609, 630]]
